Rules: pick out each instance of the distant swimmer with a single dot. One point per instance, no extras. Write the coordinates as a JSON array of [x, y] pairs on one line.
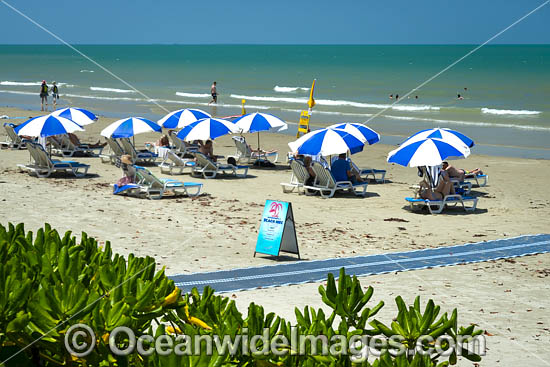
[[397, 96], [415, 97], [214, 93], [55, 94], [44, 95], [391, 96], [459, 96]]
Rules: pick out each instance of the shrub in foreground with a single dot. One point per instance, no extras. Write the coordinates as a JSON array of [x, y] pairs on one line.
[[49, 283]]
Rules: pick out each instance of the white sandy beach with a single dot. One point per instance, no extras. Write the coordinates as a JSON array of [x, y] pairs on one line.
[[508, 298]]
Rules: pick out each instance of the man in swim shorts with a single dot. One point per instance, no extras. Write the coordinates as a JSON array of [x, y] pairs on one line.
[[214, 93]]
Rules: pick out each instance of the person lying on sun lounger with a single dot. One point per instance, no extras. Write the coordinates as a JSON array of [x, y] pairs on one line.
[[76, 141], [208, 150], [342, 171], [457, 173], [444, 187]]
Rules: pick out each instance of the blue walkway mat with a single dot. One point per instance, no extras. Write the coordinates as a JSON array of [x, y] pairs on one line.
[[313, 271]]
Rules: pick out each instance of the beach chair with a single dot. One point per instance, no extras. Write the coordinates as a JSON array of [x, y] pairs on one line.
[[327, 185], [480, 180], [174, 164], [180, 147], [365, 173], [297, 179], [245, 153], [155, 188], [128, 189], [43, 166], [115, 152], [12, 140], [138, 157], [437, 206], [209, 169], [68, 149]]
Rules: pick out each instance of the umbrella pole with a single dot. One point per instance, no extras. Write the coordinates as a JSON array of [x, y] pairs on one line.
[[258, 142]]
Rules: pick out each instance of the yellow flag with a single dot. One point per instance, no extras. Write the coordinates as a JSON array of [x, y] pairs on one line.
[[311, 101]]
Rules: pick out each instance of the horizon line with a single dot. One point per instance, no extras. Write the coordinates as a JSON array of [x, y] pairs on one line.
[[273, 44]]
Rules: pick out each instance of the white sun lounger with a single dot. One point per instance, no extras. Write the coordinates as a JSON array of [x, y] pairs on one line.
[[180, 147], [68, 149], [115, 152], [155, 188], [43, 166], [12, 140], [365, 173], [480, 180], [138, 157], [437, 206], [297, 179], [245, 154], [209, 169], [175, 165], [327, 186]]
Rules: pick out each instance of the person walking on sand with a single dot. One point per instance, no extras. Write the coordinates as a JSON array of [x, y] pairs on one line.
[[44, 95], [214, 93], [55, 95]]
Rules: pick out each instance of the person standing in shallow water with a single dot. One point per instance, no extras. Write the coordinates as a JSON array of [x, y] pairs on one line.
[[44, 95], [214, 93], [55, 95]]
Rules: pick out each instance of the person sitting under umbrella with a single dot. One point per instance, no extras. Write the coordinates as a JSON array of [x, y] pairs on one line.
[[444, 187], [208, 150], [128, 171], [341, 170]]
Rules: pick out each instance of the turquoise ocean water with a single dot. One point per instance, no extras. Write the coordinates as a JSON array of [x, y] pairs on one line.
[[506, 105]]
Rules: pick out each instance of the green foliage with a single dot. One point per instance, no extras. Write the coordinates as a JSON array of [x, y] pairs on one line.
[[49, 283]]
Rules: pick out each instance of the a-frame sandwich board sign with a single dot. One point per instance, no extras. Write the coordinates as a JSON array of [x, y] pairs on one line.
[[277, 230]]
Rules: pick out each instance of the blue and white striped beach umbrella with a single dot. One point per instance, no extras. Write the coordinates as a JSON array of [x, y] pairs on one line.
[[447, 135], [326, 142], [207, 129], [47, 125], [129, 127], [256, 122], [427, 152], [78, 115], [360, 131], [181, 118]]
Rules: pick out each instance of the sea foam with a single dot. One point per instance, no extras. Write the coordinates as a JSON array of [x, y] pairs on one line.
[[27, 84], [113, 90], [288, 89], [192, 95], [337, 103], [494, 111]]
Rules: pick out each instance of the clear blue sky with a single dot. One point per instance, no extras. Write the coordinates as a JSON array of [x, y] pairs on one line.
[[279, 21]]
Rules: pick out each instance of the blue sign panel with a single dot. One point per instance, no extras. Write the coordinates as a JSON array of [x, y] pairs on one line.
[[277, 230], [272, 227]]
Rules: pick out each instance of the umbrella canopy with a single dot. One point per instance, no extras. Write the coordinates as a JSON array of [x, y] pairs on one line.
[[78, 115], [327, 142], [181, 118], [47, 125], [129, 127], [448, 135], [427, 152], [255, 122], [360, 131], [207, 129]]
